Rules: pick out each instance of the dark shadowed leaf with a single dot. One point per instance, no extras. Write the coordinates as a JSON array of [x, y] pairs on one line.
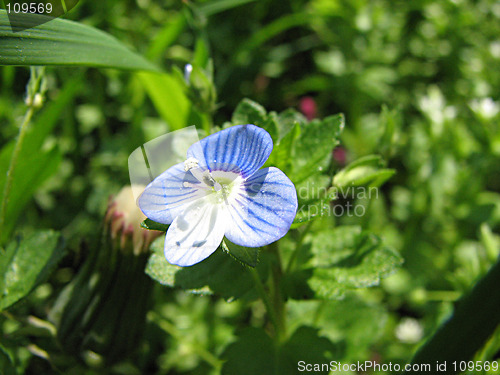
[[26, 263]]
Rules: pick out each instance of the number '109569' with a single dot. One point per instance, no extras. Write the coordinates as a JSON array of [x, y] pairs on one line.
[[39, 8]]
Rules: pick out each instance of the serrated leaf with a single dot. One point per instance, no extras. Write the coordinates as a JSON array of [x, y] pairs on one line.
[[366, 171], [314, 199], [343, 259], [64, 42], [312, 151], [153, 225], [249, 112], [26, 263], [254, 352], [288, 119], [281, 156], [246, 255], [309, 212], [219, 274]]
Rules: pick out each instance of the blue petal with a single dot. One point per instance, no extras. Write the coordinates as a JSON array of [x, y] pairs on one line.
[[169, 194], [264, 210], [242, 149]]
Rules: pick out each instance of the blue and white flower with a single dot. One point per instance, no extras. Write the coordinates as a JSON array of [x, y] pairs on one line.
[[220, 191]]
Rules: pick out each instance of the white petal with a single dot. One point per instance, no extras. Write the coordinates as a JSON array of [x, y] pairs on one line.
[[196, 233]]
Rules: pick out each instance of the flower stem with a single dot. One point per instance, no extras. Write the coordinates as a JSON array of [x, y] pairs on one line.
[[264, 296], [298, 246]]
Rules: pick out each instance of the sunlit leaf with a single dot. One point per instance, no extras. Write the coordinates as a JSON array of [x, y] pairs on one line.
[[168, 97], [343, 259], [366, 171], [312, 151], [63, 42]]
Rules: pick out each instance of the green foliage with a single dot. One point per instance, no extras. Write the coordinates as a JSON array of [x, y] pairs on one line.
[[62, 42], [246, 255], [317, 140], [153, 225], [365, 171], [474, 319], [26, 263], [6, 364], [417, 160], [339, 260], [209, 276], [351, 323], [35, 164], [254, 352], [168, 96]]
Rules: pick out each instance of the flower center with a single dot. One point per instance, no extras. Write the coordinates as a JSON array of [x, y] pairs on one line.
[[223, 184]]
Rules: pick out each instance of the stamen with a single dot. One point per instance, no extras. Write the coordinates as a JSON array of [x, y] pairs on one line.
[[190, 163]]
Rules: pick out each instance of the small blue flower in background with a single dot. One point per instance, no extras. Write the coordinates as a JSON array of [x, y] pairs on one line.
[[220, 191]]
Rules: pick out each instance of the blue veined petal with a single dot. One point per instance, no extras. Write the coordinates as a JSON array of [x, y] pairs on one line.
[[169, 194], [195, 234], [264, 210], [242, 149]]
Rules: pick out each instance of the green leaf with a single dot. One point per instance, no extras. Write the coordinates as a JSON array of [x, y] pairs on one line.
[[343, 259], [249, 112], [32, 170], [312, 151], [254, 352], [216, 6], [281, 156], [309, 212], [366, 171], [358, 323], [288, 119], [170, 31], [474, 320], [67, 43], [246, 255], [219, 274], [168, 97], [26, 263], [6, 363], [313, 198], [29, 178], [153, 225]]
